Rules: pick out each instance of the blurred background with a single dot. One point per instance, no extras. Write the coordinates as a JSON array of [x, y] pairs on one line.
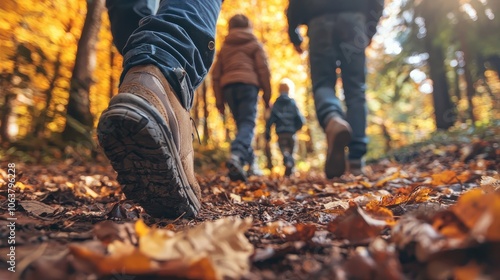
[[433, 66]]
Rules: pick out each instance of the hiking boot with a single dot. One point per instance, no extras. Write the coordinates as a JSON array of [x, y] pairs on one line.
[[338, 135], [289, 164], [147, 135], [236, 171], [357, 166]]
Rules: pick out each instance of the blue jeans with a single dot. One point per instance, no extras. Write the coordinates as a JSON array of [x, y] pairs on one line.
[[242, 101], [124, 16], [179, 39], [340, 40]]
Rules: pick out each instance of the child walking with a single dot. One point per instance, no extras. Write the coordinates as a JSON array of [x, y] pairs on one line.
[[241, 69], [288, 120]]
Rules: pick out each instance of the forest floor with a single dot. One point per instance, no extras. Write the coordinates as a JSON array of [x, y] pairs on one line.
[[434, 213]]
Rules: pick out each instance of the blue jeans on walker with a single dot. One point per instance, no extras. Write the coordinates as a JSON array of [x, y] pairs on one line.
[[179, 39], [242, 101], [335, 38], [124, 16]]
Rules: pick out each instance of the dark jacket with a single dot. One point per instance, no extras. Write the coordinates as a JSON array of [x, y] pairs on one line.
[[241, 59], [302, 11], [286, 115]]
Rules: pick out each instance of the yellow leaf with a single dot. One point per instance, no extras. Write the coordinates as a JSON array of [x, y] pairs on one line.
[[141, 228]]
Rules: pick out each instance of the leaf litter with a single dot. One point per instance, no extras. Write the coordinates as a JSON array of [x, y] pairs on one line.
[[436, 216]]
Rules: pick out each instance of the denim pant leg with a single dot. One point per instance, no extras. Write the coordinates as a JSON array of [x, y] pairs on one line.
[[124, 17], [323, 57], [242, 100], [353, 66], [286, 143], [179, 40], [340, 37]]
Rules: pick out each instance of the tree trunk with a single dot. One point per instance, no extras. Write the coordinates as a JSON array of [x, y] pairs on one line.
[[39, 129], [444, 110], [79, 120], [461, 26]]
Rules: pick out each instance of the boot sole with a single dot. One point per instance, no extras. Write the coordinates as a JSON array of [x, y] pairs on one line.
[[142, 151], [335, 162], [235, 172]]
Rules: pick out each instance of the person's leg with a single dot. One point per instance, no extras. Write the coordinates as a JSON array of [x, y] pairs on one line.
[[180, 41], [323, 42], [286, 142], [353, 65], [124, 17], [245, 112], [323, 56], [146, 132]]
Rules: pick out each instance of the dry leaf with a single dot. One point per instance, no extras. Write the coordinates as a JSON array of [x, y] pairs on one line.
[[337, 204], [379, 261], [129, 261], [356, 225], [448, 177], [411, 230], [490, 184], [480, 212], [37, 208], [223, 242]]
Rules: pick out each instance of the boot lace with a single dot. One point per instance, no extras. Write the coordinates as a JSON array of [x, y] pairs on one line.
[[195, 129]]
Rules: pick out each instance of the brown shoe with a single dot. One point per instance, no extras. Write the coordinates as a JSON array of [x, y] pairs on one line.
[[338, 135], [147, 136]]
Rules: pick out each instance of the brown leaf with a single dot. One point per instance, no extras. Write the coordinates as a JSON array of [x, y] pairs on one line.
[[480, 212], [356, 225], [222, 241], [38, 209], [303, 232], [409, 230], [379, 261]]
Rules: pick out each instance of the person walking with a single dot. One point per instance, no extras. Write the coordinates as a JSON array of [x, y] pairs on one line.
[[146, 131], [241, 69], [339, 32], [286, 117]]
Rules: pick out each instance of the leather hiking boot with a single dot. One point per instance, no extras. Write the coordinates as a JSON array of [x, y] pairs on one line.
[[236, 171], [338, 135], [147, 136]]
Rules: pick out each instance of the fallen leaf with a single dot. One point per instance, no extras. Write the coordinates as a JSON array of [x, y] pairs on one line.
[[480, 212], [448, 177], [223, 242], [336, 204], [356, 225], [379, 261], [37, 208]]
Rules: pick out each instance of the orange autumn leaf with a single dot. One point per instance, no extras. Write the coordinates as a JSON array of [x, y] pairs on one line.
[[132, 263], [449, 177], [417, 196], [303, 232], [387, 179], [260, 193], [480, 212]]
